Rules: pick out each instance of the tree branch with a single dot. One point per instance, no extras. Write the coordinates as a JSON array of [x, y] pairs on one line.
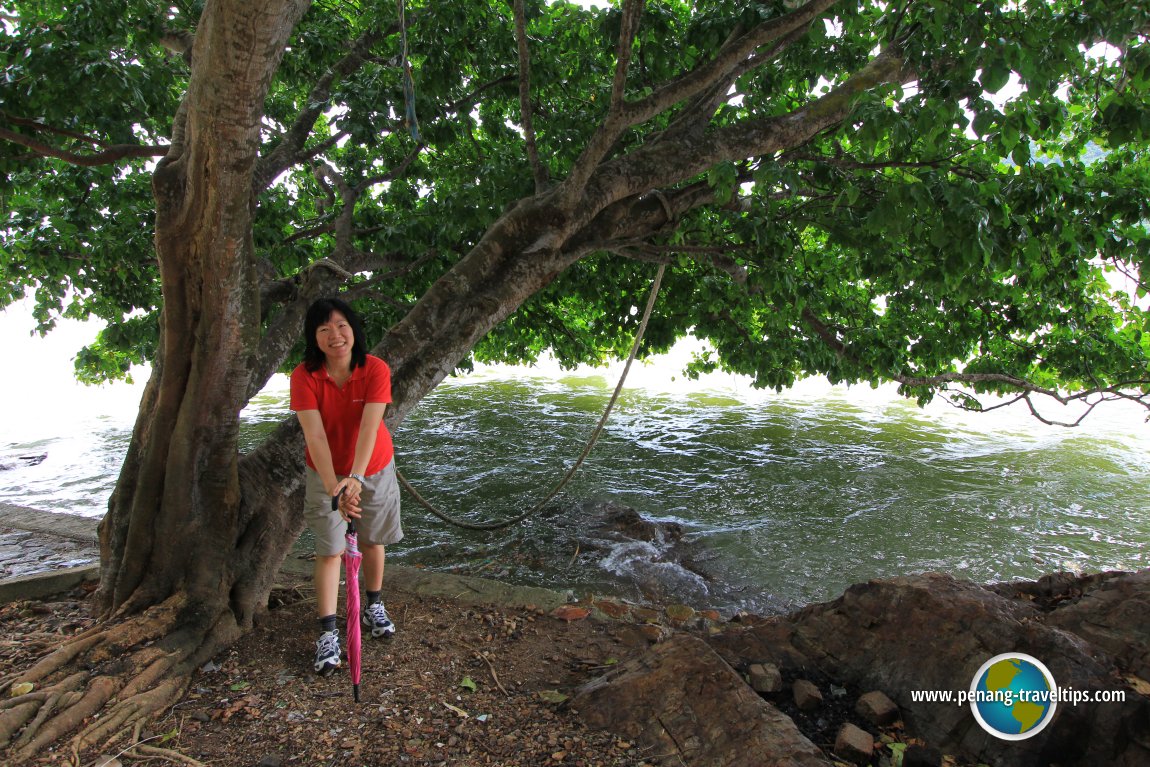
[[312, 231], [664, 164], [848, 163], [24, 122], [628, 27], [697, 115], [112, 153], [472, 98], [180, 42], [1027, 388], [537, 170], [391, 175], [288, 151], [731, 58], [616, 120]]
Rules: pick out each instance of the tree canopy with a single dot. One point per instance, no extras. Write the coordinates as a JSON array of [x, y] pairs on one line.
[[961, 179]]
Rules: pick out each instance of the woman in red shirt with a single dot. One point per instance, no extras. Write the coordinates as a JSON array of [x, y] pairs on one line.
[[339, 393]]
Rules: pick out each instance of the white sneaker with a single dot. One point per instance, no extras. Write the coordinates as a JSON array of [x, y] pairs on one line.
[[327, 652], [375, 618]]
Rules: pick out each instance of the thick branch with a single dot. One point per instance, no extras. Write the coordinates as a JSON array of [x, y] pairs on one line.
[[700, 80], [697, 115], [628, 27], [617, 120], [538, 172], [664, 164]]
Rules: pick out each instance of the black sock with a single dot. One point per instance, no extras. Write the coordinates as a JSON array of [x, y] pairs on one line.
[[327, 623], [374, 596]]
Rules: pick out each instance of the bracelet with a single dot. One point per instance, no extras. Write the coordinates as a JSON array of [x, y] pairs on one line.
[[358, 478]]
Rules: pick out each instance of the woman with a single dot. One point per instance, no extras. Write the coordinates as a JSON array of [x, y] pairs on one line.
[[339, 393]]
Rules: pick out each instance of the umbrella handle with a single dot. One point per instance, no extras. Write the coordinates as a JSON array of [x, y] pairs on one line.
[[335, 507]]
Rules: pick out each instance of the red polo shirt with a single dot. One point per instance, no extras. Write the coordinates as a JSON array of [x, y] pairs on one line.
[[342, 408]]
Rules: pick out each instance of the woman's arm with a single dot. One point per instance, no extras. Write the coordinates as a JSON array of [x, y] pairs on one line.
[[320, 451], [364, 447], [368, 432]]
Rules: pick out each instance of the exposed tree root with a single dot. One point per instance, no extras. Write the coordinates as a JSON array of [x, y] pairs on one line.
[[140, 707], [51, 729], [100, 685], [61, 695], [140, 749]]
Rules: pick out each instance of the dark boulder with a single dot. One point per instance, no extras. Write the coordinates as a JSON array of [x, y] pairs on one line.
[[684, 702]]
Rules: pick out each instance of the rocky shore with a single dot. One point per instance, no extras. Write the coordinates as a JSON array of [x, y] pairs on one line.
[[760, 693]]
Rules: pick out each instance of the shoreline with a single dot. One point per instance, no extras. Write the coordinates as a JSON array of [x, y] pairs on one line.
[[51, 527], [59, 536]]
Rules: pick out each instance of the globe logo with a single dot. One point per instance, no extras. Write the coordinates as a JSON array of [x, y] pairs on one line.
[[1013, 696]]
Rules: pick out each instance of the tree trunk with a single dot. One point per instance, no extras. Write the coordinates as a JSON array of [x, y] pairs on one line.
[[178, 498], [177, 581]]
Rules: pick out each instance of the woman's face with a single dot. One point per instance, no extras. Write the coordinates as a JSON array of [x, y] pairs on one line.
[[335, 337]]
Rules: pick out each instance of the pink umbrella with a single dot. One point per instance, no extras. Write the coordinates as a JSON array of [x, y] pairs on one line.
[[351, 561]]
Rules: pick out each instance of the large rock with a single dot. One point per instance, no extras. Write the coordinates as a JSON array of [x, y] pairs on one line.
[[933, 632], [681, 698], [1111, 611]]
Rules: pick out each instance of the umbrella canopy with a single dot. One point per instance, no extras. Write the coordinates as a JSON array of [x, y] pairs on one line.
[[351, 562]]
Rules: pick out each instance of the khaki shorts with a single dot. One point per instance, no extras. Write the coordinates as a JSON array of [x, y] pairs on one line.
[[379, 523]]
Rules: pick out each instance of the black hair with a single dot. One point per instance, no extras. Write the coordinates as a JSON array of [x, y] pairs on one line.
[[319, 313]]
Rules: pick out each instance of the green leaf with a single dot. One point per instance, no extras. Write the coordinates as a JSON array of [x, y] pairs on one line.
[[917, 244], [994, 77], [984, 122], [1021, 154]]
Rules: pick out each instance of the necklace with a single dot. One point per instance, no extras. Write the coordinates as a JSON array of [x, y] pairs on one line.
[[339, 378]]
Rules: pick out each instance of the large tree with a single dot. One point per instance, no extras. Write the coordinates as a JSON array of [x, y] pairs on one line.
[[834, 188]]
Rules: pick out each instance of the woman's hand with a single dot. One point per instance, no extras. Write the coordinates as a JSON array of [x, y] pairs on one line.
[[349, 490]]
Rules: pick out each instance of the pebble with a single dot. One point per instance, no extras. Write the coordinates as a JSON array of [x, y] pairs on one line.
[[854, 744], [807, 696], [765, 677], [877, 708]]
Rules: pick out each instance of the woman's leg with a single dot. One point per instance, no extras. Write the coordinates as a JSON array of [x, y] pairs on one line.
[[327, 571], [373, 563]]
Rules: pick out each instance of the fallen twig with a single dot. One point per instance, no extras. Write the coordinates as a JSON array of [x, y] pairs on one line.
[[491, 668]]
